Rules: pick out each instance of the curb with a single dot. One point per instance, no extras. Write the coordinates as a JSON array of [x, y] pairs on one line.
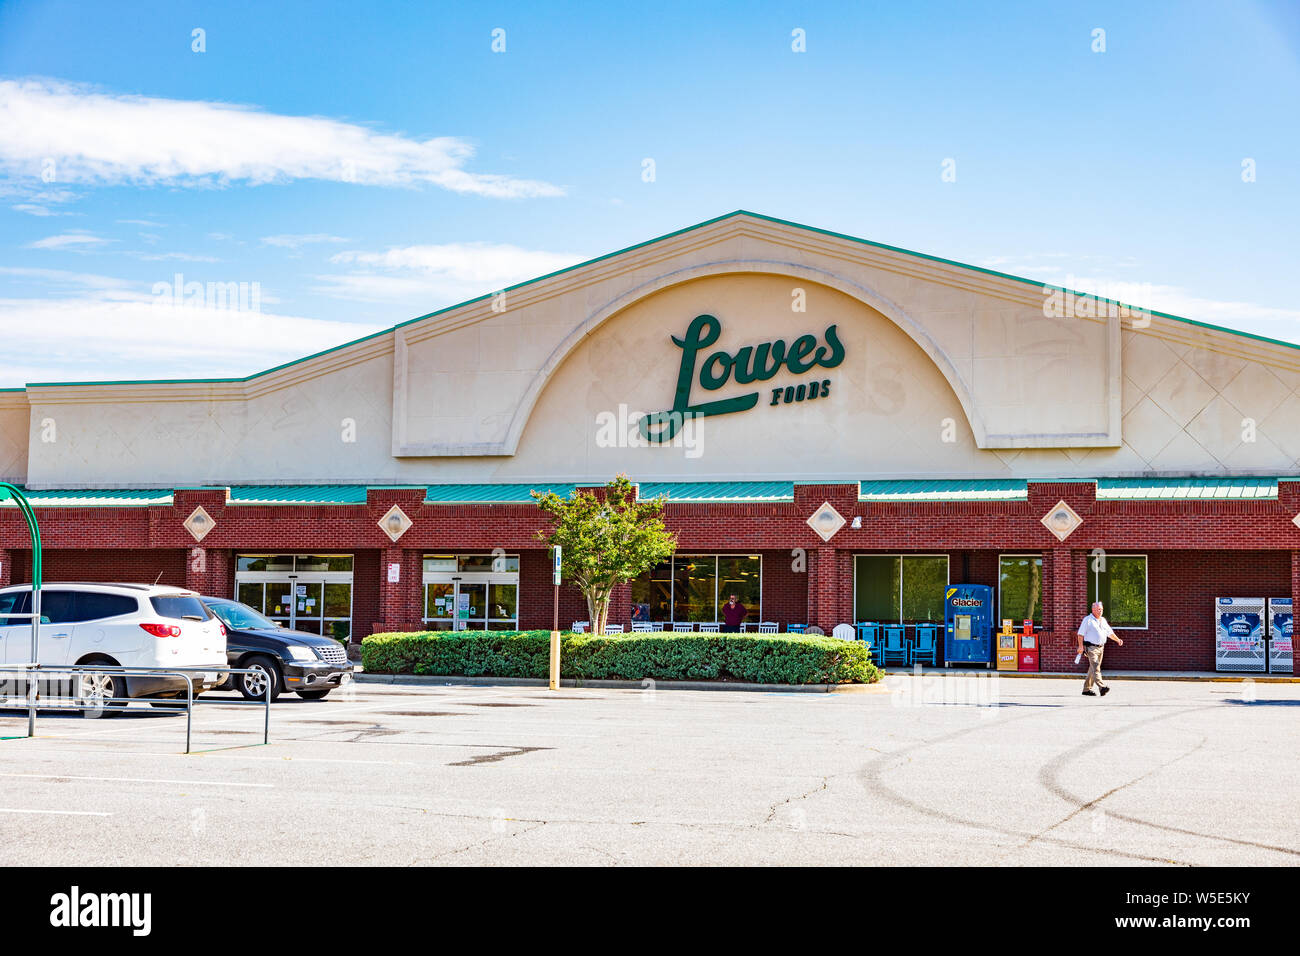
[[462, 681], [1110, 675]]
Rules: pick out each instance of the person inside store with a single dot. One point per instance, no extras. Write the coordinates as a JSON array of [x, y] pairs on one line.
[[733, 612]]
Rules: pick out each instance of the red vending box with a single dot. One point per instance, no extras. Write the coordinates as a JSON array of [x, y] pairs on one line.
[[1028, 648]]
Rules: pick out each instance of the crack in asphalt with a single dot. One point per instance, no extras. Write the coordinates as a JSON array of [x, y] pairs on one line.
[[803, 796], [1048, 774], [871, 780], [498, 756]]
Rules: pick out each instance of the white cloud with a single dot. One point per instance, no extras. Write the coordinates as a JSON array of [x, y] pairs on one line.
[[34, 210], [482, 262], [107, 138], [427, 276], [298, 241], [143, 222], [62, 277], [168, 256], [1271, 321], [69, 240], [126, 335]]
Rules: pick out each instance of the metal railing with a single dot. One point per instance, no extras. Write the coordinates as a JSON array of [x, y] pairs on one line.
[[35, 672]]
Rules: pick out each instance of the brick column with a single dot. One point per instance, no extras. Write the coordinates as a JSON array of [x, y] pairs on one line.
[[825, 590], [401, 601], [6, 568], [208, 571], [1067, 600], [620, 607]]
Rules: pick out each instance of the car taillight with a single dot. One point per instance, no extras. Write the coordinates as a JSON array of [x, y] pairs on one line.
[[162, 630], [222, 628]]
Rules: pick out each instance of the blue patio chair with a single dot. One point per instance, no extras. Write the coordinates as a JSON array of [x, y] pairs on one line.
[[894, 646], [926, 645], [869, 631], [795, 628]]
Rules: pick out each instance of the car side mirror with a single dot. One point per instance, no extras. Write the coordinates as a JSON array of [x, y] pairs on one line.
[[45, 619]]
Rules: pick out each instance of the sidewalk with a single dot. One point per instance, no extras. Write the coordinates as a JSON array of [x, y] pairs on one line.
[[451, 680], [1108, 674]]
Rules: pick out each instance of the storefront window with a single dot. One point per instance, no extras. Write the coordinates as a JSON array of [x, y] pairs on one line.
[[1020, 588], [1119, 582], [652, 594], [293, 563], [905, 588], [740, 575], [877, 587], [693, 587], [471, 592], [498, 563]]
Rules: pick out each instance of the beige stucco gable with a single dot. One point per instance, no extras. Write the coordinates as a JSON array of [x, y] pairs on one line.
[[947, 371], [465, 383]]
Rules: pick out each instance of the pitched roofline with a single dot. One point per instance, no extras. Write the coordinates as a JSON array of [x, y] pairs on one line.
[[648, 242]]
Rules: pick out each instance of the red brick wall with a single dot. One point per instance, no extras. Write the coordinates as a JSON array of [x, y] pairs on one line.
[[1199, 550], [128, 566], [536, 595], [1181, 588]]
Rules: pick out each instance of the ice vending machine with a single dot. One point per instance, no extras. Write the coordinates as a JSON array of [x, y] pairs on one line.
[[1280, 659], [968, 625], [1239, 629]]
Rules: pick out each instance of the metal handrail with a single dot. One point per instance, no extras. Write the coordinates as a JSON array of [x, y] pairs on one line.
[[75, 703]]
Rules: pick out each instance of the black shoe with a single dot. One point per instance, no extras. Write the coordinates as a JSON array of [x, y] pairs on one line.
[[1105, 691], [1091, 693]]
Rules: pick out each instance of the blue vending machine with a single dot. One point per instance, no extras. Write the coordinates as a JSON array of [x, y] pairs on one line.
[[968, 625]]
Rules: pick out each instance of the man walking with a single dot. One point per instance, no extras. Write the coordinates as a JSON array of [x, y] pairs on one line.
[[1093, 633]]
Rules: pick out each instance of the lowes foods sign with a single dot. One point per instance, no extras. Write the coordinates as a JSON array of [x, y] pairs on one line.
[[751, 364]]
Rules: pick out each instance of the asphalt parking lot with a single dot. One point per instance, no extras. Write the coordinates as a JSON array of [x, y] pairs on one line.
[[935, 771]]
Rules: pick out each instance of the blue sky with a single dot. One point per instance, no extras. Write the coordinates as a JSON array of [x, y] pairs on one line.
[[368, 163]]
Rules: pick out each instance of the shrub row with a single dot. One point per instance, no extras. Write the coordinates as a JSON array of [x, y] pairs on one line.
[[757, 658]]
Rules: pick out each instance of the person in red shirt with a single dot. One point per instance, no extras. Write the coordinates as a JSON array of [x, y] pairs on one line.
[[733, 612]]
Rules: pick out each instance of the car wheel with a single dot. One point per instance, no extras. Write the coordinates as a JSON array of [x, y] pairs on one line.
[[102, 695], [264, 671], [313, 694]]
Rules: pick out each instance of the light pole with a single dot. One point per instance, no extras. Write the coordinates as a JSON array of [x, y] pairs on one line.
[[10, 492]]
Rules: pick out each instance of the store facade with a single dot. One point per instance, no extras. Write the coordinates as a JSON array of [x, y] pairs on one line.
[[842, 430]]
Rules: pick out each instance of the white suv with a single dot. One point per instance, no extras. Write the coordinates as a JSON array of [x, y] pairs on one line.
[[128, 625]]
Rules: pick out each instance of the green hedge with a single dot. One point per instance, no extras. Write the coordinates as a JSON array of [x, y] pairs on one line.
[[758, 658]]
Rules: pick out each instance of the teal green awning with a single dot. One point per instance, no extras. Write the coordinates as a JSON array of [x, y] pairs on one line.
[[297, 494], [1175, 489], [678, 491], [957, 489], [684, 491], [488, 494], [96, 498]]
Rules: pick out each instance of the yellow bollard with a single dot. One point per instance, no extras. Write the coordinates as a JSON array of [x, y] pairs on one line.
[[555, 660]]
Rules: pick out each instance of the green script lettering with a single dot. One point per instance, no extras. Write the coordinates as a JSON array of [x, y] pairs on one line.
[[749, 364]]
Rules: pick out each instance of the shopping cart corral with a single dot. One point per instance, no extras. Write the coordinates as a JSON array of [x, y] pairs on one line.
[[80, 687]]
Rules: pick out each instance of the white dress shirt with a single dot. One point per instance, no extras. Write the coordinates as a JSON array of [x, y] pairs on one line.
[[1095, 630]]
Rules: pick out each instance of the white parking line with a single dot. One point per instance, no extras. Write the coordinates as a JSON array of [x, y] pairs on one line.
[[65, 813], [71, 776]]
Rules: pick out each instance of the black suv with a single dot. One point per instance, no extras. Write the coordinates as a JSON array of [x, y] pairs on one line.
[[307, 664]]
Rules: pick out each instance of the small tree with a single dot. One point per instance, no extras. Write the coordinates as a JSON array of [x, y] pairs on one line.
[[605, 543]]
